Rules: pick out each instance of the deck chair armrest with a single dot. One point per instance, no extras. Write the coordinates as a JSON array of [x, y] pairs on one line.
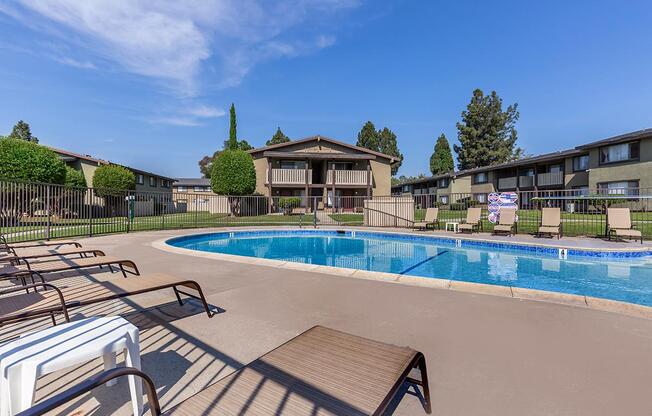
[[32, 286], [86, 386]]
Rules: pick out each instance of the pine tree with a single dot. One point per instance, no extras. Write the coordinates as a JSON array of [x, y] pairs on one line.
[[389, 146], [368, 137], [21, 131], [487, 134], [278, 138], [232, 143], [441, 160]]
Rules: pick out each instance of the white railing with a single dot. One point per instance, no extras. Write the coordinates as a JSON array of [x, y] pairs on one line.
[[551, 178], [289, 176], [507, 183], [347, 177], [526, 181]]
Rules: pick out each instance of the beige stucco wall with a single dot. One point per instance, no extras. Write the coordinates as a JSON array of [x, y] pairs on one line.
[[381, 172], [640, 170], [485, 188], [260, 163], [574, 179]]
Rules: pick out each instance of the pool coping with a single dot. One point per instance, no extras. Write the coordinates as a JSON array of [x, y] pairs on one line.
[[582, 301]]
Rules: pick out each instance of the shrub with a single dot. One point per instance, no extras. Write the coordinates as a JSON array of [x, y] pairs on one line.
[[287, 203], [113, 180], [233, 173], [74, 178], [28, 161]]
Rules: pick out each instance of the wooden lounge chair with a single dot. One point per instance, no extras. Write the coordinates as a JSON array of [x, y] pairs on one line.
[[54, 243], [298, 211], [431, 220], [10, 271], [506, 222], [63, 298], [472, 222], [619, 223], [550, 222], [320, 372], [18, 254]]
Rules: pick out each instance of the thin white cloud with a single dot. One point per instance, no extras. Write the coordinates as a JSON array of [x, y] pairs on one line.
[[204, 111], [176, 121], [75, 63], [175, 40]]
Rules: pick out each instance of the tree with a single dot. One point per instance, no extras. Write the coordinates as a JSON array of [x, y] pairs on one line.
[[402, 179], [441, 160], [232, 143], [368, 137], [21, 131], [277, 138], [74, 178], [388, 145], [28, 161], [487, 134], [233, 173], [113, 180], [383, 141]]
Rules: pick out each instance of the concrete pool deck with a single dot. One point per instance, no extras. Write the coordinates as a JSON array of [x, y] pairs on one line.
[[487, 355]]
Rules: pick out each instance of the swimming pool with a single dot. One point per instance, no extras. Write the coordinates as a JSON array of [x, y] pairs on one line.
[[617, 276]]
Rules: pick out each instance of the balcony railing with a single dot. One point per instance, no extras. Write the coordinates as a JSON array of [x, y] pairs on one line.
[[526, 181], [507, 183], [551, 178], [289, 176], [347, 177]]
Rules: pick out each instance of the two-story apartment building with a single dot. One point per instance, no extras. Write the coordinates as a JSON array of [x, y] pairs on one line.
[[620, 164], [321, 167], [192, 185], [145, 181]]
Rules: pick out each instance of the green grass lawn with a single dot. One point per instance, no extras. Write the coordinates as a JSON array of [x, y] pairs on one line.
[[348, 219]]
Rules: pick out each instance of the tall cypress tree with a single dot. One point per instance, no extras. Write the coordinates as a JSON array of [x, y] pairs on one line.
[[487, 134], [441, 160], [232, 144]]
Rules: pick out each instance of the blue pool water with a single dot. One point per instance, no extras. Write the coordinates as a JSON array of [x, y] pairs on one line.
[[623, 279]]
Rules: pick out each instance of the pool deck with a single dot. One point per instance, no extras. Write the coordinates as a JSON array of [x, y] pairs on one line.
[[487, 355]]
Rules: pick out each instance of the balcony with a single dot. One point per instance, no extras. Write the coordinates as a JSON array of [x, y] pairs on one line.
[[526, 181], [347, 177], [551, 178], [507, 183], [289, 176]]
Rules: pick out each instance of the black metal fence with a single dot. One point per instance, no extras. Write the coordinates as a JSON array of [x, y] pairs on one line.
[[31, 211]]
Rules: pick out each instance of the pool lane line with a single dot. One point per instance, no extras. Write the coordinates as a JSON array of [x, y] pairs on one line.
[[423, 262]]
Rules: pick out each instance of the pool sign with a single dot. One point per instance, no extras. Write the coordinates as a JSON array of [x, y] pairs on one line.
[[498, 201]]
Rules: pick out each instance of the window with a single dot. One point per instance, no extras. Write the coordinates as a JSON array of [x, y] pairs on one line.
[[165, 183], [618, 188], [481, 177], [152, 181], [481, 198], [580, 163], [443, 199], [581, 190], [406, 188], [140, 179], [292, 164], [443, 183], [182, 189], [555, 169], [343, 165], [527, 172], [622, 152]]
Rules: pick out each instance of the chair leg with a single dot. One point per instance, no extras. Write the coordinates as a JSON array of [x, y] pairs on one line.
[[176, 292], [425, 385]]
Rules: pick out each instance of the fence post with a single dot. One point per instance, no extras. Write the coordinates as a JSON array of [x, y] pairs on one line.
[[163, 206], [395, 213], [47, 208], [314, 212]]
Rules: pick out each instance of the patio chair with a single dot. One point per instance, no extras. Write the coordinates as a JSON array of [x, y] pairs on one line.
[[63, 297], [20, 271], [506, 222], [298, 211], [472, 222], [550, 222], [5, 245], [322, 371], [431, 219], [40, 253], [619, 224]]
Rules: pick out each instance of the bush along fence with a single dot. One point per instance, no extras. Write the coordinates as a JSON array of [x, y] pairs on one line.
[[31, 211]]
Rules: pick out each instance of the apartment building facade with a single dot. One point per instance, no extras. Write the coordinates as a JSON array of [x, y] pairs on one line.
[[323, 168], [616, 165]]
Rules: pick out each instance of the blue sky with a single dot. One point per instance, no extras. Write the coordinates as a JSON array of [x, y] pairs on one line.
[[147, 83]]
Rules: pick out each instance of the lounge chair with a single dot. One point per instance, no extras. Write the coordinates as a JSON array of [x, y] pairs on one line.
[[4, 244], [298, 211], [22, 270], [18, 254], [619, 224], [431, 219], [63, 297], [322, 371], [506, 222], [472, 222], [550, 222]]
